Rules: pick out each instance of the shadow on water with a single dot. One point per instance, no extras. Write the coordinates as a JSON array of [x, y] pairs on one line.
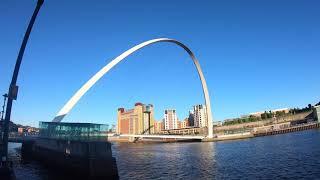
[[136, 139]]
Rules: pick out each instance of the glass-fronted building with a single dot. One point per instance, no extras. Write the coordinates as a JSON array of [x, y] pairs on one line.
[[73, 131]]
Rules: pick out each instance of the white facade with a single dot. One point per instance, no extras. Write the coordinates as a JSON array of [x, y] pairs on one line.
[[200, 115], [170, 119]]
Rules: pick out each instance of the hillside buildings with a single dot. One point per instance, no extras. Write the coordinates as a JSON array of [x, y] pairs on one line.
[[258, 114], [136, 120], [261, 115]]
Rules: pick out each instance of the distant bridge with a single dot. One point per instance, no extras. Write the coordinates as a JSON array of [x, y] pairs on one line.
[[162, 136]]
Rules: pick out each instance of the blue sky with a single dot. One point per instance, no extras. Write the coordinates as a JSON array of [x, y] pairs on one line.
[[256, 55]]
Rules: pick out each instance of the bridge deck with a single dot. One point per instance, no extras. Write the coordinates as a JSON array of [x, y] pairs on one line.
[[161, 136]]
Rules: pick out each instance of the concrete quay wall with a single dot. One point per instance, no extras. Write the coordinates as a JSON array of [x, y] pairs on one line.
[[91, 159], [265, 132], [302, 127], [265, 122]]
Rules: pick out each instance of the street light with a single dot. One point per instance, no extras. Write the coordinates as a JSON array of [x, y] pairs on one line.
[[13, 88], [5, 96], [2, 113]]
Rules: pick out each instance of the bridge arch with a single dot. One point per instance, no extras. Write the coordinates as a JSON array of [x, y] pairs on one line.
[[77, 96]]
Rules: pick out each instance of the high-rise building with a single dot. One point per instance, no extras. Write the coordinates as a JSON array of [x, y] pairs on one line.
[[191, 118], [170, 119], [136, 120], [200, 115]]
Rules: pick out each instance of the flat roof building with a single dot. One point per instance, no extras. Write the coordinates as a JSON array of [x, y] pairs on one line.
[[170, 119], [136, 120], [72, 131], [200, 115]]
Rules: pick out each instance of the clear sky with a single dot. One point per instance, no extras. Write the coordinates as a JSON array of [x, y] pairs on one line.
[[256, 55]]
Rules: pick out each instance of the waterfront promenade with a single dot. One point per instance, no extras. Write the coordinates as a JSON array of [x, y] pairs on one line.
[[91, 157], [283, 124]]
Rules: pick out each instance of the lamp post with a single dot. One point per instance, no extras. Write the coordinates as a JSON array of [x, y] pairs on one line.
[[4, 105], [5, 96], [13, 88]]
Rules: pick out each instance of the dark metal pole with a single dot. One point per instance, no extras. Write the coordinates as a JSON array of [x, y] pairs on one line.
[[13, 89], [149, 122], [4, 105], [149, 117], [5, 96]]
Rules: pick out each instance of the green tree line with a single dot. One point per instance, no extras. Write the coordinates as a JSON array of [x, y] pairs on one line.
[[268, 115]]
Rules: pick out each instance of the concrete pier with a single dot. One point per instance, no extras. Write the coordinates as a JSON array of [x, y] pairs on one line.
[[85, 159]]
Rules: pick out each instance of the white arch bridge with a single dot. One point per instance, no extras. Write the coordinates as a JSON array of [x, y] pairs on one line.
[[76, 97]]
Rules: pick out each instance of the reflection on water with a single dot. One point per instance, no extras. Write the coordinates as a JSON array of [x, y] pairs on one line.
[[293, 155]]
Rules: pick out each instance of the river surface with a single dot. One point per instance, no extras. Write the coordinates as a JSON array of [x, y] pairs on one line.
[[286, 156]]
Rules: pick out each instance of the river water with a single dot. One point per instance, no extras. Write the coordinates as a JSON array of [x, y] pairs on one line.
[[293, 155]]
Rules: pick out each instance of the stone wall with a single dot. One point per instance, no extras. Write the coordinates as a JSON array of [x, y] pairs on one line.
[[81, 158], [220, 129]]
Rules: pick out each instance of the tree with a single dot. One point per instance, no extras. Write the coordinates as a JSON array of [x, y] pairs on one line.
[[269, 115], [252, 118], [264, 115]]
